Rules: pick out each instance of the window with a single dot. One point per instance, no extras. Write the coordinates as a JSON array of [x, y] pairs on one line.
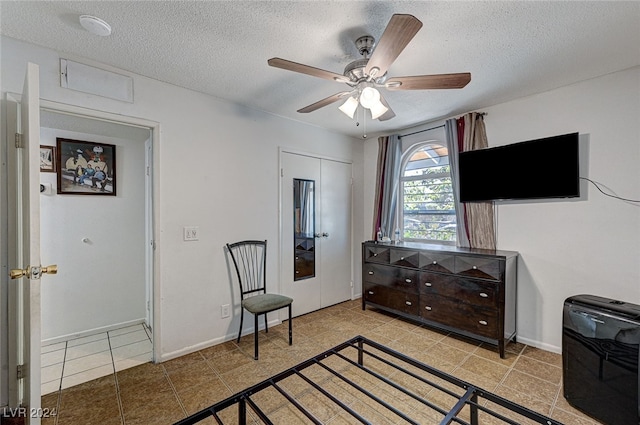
[[427, 206]]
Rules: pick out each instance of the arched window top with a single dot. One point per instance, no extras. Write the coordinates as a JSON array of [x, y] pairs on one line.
[[426, 158]]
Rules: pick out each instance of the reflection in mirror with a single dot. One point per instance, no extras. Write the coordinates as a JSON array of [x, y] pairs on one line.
[[304, 229]]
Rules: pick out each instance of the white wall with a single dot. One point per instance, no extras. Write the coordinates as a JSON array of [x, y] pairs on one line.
[[567, 248], [581, 247], [101, 282], [217, 166]]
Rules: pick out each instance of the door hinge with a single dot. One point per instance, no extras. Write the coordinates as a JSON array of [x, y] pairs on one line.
[[20, 371], [19, 141], [282, 172]]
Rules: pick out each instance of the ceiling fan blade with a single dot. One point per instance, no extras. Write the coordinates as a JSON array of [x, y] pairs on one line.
[[429, 82], [387, 115], [324, 102], [399, 32], [306, 69]]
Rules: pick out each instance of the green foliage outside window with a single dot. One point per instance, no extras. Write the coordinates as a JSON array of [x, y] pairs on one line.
[[428, 204]]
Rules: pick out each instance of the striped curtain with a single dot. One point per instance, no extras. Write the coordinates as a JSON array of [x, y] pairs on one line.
[[387, 181], [478, 216]]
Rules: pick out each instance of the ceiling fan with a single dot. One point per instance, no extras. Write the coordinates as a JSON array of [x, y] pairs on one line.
[[366, 75]]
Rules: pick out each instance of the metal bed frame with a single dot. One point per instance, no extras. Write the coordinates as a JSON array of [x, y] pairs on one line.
[[376, 376]]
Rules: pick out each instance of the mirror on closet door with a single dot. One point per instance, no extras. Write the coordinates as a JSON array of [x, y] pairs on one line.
[[304, 229]]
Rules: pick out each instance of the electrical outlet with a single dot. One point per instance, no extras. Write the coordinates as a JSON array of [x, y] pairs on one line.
[[224, 310], [190, 233]]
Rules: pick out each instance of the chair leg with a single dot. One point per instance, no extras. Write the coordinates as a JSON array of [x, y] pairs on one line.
[[266, 327], [290, 330], [241, 318], [255, 337]]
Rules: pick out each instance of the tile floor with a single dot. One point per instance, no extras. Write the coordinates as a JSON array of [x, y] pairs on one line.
[[69, 363], [164, 393]]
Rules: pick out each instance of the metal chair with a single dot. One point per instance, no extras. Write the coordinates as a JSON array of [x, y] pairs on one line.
[[250, 261]]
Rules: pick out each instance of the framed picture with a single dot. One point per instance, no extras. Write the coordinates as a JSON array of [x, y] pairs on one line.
[[85, 168], [47, 159]]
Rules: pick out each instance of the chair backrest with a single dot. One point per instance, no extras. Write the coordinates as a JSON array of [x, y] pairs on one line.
[[250, 261]]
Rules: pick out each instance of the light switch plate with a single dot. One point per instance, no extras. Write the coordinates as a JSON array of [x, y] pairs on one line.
[[191, 233]]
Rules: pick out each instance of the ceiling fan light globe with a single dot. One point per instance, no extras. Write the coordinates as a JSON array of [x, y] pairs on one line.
[[349, 107], [377, 110], [369, 97]]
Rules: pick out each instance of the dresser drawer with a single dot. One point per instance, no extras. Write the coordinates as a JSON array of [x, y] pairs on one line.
[[437, 262], [395, 277], [392, 298], [474, 292], [376, 254], [460, 315], [404, 258], [480, 267]]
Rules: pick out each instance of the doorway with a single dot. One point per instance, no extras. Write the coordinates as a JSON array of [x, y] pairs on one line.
[[315, 217], [94, 311], [89, 122]]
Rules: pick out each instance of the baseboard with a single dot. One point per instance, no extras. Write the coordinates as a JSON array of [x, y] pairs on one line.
[[210, 343], [94, 331], [540, 345]]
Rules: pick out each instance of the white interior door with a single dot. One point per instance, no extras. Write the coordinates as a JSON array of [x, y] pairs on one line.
[[24, 243], [305, 292], [331, 283], [335, 244]]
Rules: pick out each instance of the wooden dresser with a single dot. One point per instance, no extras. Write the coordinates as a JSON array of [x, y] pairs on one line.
[[471, 292]]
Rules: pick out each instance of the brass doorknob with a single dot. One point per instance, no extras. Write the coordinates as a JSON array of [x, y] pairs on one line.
[[33, 272], [52, 269], [17, 273]]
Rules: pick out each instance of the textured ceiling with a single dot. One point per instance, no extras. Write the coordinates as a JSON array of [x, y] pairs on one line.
[[512, 49]]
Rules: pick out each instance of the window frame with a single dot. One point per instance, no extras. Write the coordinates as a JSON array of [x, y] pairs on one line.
[[406, 156]]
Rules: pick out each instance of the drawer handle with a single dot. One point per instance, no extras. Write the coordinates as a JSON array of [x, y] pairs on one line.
[[408, 280], [297, 272], [483, 322], [475, 267], [375, 255], [428, 308], [407, 302], [435, 262], [427, 284], [483, 295], [401, 258], [370, 292], [370, 272]]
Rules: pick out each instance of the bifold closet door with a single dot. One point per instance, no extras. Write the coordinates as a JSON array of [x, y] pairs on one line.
[[316, 231]]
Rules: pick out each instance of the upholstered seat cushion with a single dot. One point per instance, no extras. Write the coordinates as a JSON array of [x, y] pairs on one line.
[[264, 303]]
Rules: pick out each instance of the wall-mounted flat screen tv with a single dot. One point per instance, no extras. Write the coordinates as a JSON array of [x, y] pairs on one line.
[[535, 169]]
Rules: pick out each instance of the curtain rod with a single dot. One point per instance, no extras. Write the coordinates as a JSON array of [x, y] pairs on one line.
[[421, 131], [433, 128]]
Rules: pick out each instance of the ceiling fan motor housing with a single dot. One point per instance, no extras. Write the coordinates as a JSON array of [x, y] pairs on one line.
[[355, 70]]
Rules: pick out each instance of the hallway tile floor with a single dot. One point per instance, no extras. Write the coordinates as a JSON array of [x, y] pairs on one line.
[[69, 363], [164, 393]]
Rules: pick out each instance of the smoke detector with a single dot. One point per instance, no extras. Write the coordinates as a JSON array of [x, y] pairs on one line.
[[95, 25]]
